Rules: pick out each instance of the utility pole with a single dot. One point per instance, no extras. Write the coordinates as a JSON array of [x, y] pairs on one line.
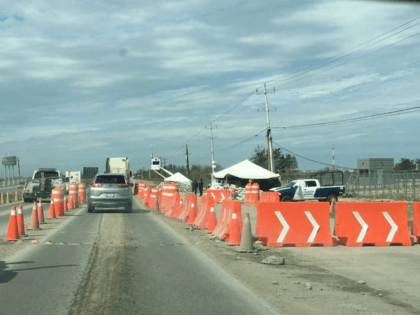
[[333, 159], [164, 162], [188, 163], [213, 162], [269, 138]]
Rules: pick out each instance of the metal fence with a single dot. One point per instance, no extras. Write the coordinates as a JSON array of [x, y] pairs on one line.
[[378, 185], [392, 185]]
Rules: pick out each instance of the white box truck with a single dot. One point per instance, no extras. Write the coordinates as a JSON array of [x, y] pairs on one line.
[[119, 166]]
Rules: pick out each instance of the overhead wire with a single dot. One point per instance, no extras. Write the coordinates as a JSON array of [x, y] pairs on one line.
[[368, 117], [356, 58], [299, 73], [308, 159], [231, 146]]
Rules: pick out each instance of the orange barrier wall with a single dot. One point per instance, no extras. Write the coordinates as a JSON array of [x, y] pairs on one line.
[[294, 224], [372, 223]]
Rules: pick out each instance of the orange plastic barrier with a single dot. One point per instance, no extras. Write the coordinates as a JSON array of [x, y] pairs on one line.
[[248, 192], [231, 207], [270, 196], [189, 199], [175, 206], [416, 221], [146, 192], [141, 189], [255, 194], [223, 218], [219, 195], [206, 202], [294, 224], [153, 198], [372, 223]]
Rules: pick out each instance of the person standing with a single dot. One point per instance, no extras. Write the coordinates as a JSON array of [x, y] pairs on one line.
[[200, 186], [194, 186]]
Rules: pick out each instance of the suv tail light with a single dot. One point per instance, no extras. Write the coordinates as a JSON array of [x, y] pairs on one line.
[[123, 186], [92, 184]]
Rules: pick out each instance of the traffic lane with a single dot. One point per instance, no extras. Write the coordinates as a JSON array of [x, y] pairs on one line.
[[42, 279], [163, 274]]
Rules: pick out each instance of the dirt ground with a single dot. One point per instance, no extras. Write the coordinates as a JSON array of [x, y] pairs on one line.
[[388, 276]]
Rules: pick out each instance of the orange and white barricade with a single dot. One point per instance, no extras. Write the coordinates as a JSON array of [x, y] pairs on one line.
[[372, 223], [294, 224]]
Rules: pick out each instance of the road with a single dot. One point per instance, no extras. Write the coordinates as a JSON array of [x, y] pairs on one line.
[[119, 263]]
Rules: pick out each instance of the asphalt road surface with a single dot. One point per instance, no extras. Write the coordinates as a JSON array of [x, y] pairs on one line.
[[119, 263]]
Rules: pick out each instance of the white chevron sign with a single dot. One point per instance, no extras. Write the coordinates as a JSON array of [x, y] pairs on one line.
[[314, 224], [394, 227], [285, 227], [223, 197], [364, 227]]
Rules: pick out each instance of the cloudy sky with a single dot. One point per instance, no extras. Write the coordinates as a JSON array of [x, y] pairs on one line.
[[81, 81]]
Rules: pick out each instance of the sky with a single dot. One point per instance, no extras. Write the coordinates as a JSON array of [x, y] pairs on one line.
[[81, 81]]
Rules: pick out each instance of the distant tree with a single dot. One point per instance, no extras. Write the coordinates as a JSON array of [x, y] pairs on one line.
[[282, 162], [405, 165]]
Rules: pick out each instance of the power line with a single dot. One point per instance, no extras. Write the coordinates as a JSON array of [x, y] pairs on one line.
[[369, 53], [368, 117], [299, 73], [305, 158], [231, 146]]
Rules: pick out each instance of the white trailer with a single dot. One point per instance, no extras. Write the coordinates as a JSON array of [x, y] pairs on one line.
[[119, 166], [73, 176]]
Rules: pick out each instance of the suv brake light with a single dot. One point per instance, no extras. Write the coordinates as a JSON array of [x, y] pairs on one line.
[[123, 186], [95, 185]]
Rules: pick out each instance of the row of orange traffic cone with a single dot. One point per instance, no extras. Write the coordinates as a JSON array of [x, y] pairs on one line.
[[16, 226], [16, 197]]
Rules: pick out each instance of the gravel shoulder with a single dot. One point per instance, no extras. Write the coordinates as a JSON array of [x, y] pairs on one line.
[[343, 280]]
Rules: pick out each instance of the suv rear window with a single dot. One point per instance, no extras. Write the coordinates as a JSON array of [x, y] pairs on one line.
[[110, 179], [47, 175]]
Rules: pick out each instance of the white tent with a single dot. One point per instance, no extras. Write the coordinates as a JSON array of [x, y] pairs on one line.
[[178, 178], [246, 170]]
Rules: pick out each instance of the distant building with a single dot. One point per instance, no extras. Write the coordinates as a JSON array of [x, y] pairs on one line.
[[89, 172], [375, 171], [375, 165]]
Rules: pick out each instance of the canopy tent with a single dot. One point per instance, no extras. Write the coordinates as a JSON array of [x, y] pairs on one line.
[[246, 170], [178, 178], [240, 173]]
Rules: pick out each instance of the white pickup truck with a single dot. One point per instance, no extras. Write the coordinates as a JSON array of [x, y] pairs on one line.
[[309, 189]]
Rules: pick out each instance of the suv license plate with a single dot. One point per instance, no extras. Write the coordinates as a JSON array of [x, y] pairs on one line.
[[109, 195]]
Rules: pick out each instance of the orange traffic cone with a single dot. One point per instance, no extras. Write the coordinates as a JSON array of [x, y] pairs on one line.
[[40, 212], [234, 233], [20, 222], [51, 212], [16, 196], [246, 240], [12, 230], [71, 202], [34, 224], [7, 198], [191, 215], [212, 221]]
